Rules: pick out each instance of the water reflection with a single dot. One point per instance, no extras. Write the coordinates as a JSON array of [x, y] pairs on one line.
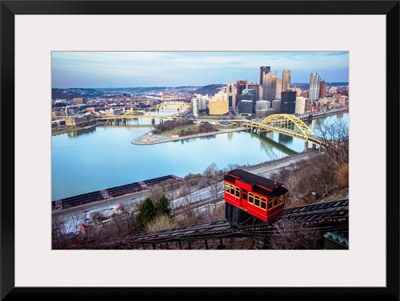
[[285, 139], [81, 132], [103, 157], [189, 140]]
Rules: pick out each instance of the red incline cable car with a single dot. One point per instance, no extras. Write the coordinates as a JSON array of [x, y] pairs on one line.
[[250, 198]]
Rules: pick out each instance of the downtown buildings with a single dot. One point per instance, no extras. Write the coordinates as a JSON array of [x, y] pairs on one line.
[[274, 95]]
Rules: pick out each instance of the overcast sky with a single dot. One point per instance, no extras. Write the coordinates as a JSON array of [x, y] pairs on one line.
[[145, 69]]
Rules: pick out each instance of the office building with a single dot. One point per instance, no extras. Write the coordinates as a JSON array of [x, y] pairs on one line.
[[256, 88], [263, 105], [288, 102], [269, 86], [219, 103], [286, 78], [322, 89], [276, 105], [300, 105], [246, 107], [231, 93], [240, 86], [246, 97], [250, 92], [195, 107], [315, 80], [262, 108], [308, 107], [264, 70], [202, 101], [278, 88]]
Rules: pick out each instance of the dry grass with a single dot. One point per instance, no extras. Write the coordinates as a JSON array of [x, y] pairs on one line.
[[160, 223], [342, 175]]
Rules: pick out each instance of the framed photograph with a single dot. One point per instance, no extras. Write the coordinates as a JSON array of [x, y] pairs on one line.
[[55, 57]]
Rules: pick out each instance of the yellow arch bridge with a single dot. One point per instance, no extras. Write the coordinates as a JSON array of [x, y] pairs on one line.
[[286, 124]]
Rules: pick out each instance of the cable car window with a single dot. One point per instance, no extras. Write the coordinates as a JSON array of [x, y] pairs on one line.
[[227, 186], [251, 198], [256, 200], [232, 190], [263, 203], [282, 199], [270, 204], [237, 192], [275, 202]]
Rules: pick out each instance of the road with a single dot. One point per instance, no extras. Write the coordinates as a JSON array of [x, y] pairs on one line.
[[72, 217]]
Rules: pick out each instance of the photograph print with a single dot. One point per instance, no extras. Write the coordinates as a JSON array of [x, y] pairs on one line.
[[200, 150]]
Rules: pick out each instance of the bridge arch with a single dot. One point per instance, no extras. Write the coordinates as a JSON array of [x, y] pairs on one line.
[[283, 118]]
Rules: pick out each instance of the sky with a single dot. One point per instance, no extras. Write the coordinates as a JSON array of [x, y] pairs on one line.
[[171, 69]]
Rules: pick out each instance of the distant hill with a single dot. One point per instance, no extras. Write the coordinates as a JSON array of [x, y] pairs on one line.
[[69, 93], [329, 84], [209, 89]]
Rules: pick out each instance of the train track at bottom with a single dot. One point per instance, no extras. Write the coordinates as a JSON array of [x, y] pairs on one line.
[[326, 216]]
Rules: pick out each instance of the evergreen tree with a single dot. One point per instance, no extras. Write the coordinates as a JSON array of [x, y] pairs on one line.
[[147, 212], [162, 206]]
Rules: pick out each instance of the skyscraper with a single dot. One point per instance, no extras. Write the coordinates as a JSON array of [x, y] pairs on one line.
[[231, 91], [264, 70], [240, 86], [278, 90], [314, 86], [322, 89], [288, 102], [269, 86], [255, 87], [286, 78]]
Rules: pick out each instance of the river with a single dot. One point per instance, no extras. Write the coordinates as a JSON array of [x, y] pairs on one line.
[[101, 157]]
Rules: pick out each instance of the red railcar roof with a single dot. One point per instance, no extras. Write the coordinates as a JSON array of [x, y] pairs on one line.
[[252, 179]]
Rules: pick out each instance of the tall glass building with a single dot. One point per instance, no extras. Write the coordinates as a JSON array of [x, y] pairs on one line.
[[264, 70], [286, 77], [315, 81], [269, 86]]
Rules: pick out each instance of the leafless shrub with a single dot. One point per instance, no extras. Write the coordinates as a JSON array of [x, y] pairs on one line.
[[202, 183], [342, 175], [291, 235], [244, 243], [156, 192], [59, 235]]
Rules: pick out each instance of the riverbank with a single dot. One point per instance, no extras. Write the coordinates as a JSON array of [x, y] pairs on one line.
[[64, 130], [149, 138]]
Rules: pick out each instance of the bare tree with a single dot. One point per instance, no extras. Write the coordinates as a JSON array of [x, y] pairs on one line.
[[335, 138], [244, 243], [211, 171], [289, 234], [216, 187], [59, 235], [156, 192], [188, 213], [319, 177], [126, 221]]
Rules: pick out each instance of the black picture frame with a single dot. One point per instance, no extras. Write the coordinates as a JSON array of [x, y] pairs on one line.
[[9, 9]]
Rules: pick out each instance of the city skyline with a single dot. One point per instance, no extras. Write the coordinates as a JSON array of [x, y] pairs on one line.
[[77, 69]]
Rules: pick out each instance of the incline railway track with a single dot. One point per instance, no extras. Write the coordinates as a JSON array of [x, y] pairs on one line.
[[328, 216]]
